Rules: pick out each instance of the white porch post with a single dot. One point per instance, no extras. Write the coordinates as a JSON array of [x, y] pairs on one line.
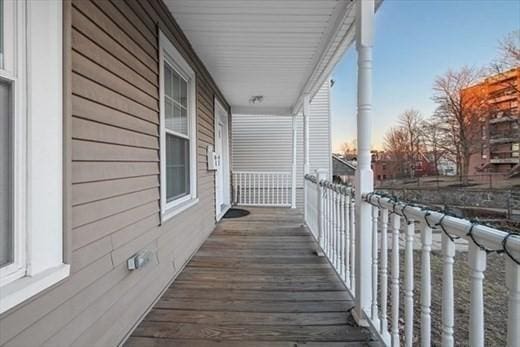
[[306, 115], [306, 166], [293, 180], [364, 175]]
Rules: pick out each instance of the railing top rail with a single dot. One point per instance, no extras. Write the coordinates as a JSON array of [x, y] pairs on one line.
[[485, 236], [338, 188], [263, 172]]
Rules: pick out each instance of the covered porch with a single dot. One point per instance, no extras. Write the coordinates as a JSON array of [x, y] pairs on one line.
[[256, 281]]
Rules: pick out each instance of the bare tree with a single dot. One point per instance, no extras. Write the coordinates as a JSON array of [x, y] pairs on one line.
[[434, 140], [411, 122], [461, 110], [508, 59], [396, 146], [509, 50], [348, 148]]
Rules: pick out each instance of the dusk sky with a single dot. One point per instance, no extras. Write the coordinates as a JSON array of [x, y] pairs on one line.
[[415, 41]]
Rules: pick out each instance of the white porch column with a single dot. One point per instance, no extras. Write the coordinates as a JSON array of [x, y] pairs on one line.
[[306, 166], [364, 175], [293, 180], [306, 116]]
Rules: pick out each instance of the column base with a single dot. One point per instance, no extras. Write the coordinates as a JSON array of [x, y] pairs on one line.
[[360, 319]]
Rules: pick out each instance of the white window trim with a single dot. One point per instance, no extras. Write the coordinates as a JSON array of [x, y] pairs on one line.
[[168, 53], [34, 50], [13, 60]]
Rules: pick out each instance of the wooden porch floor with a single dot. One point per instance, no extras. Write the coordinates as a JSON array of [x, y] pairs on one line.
[[255, 282]]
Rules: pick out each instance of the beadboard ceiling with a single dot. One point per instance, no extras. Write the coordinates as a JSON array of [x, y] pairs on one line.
[[279, 49]]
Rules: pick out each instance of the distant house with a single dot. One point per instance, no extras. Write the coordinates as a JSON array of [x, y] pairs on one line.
[[343, 170]]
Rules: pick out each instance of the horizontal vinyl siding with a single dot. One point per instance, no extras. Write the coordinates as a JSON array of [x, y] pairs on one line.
[[264, 142], [115, 181], [319, 130]]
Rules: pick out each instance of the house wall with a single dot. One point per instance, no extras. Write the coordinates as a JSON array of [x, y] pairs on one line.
[[114, 191], [264, 142]]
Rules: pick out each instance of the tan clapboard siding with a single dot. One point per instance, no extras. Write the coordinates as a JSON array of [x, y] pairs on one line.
[[99, 171], [92, 90], [88, 27], [87, 67], [107, 24], [100, 56], [86, 109], [93, 131], [93, 191], [95, 151], [88, 213], [115, 180], [116, 223]]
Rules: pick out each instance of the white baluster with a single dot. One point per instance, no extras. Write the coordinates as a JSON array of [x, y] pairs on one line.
[[288, 189], [340, 248], [426, 240], [330, 222], [263, 188], [513, 316], [375, 215], [396, 221], [247, 184], [346, 212], [278, 179], [383, 316], [234, 188], [332, 226], [336, 229], [327, 220], [241, 197], [270, 184], [353, 244], [341, 214], [254, 188], [477, 263], [448, 253], [408, 284], [319, 204]]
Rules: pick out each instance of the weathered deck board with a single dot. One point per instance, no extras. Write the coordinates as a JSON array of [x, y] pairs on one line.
[[255, 282]]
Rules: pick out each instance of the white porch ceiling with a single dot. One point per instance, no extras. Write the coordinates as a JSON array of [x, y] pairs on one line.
[[279, 49]]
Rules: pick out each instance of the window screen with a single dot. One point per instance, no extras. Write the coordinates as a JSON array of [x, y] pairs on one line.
[[177, 134], [6, 148]]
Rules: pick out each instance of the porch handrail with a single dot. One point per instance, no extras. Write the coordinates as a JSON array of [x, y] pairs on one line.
[[262, 188], [334, 220]]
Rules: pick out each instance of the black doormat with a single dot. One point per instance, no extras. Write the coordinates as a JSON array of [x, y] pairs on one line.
[[236, 213]]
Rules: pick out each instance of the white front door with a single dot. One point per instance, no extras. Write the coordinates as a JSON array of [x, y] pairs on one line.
[[222, 185]]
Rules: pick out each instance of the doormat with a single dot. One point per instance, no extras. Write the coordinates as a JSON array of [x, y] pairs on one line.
[[236, 213]]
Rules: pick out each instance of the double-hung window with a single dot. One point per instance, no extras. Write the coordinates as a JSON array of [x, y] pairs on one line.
[[178, 129], [31, 153]]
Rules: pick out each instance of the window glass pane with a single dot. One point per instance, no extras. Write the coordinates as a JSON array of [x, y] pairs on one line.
[[177, 167], [184, 92], [168, 78], [6, 232], [176, 80], [168, 113], [175, 90]]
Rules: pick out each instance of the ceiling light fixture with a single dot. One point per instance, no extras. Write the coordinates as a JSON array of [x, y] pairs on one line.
[[256, 99]]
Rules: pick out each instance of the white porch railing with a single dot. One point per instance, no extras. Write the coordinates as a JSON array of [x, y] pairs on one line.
[[330, 216], [262, 188]]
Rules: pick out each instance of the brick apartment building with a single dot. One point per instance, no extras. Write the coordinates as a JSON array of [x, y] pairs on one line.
[[500, 127], [385, 167]]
